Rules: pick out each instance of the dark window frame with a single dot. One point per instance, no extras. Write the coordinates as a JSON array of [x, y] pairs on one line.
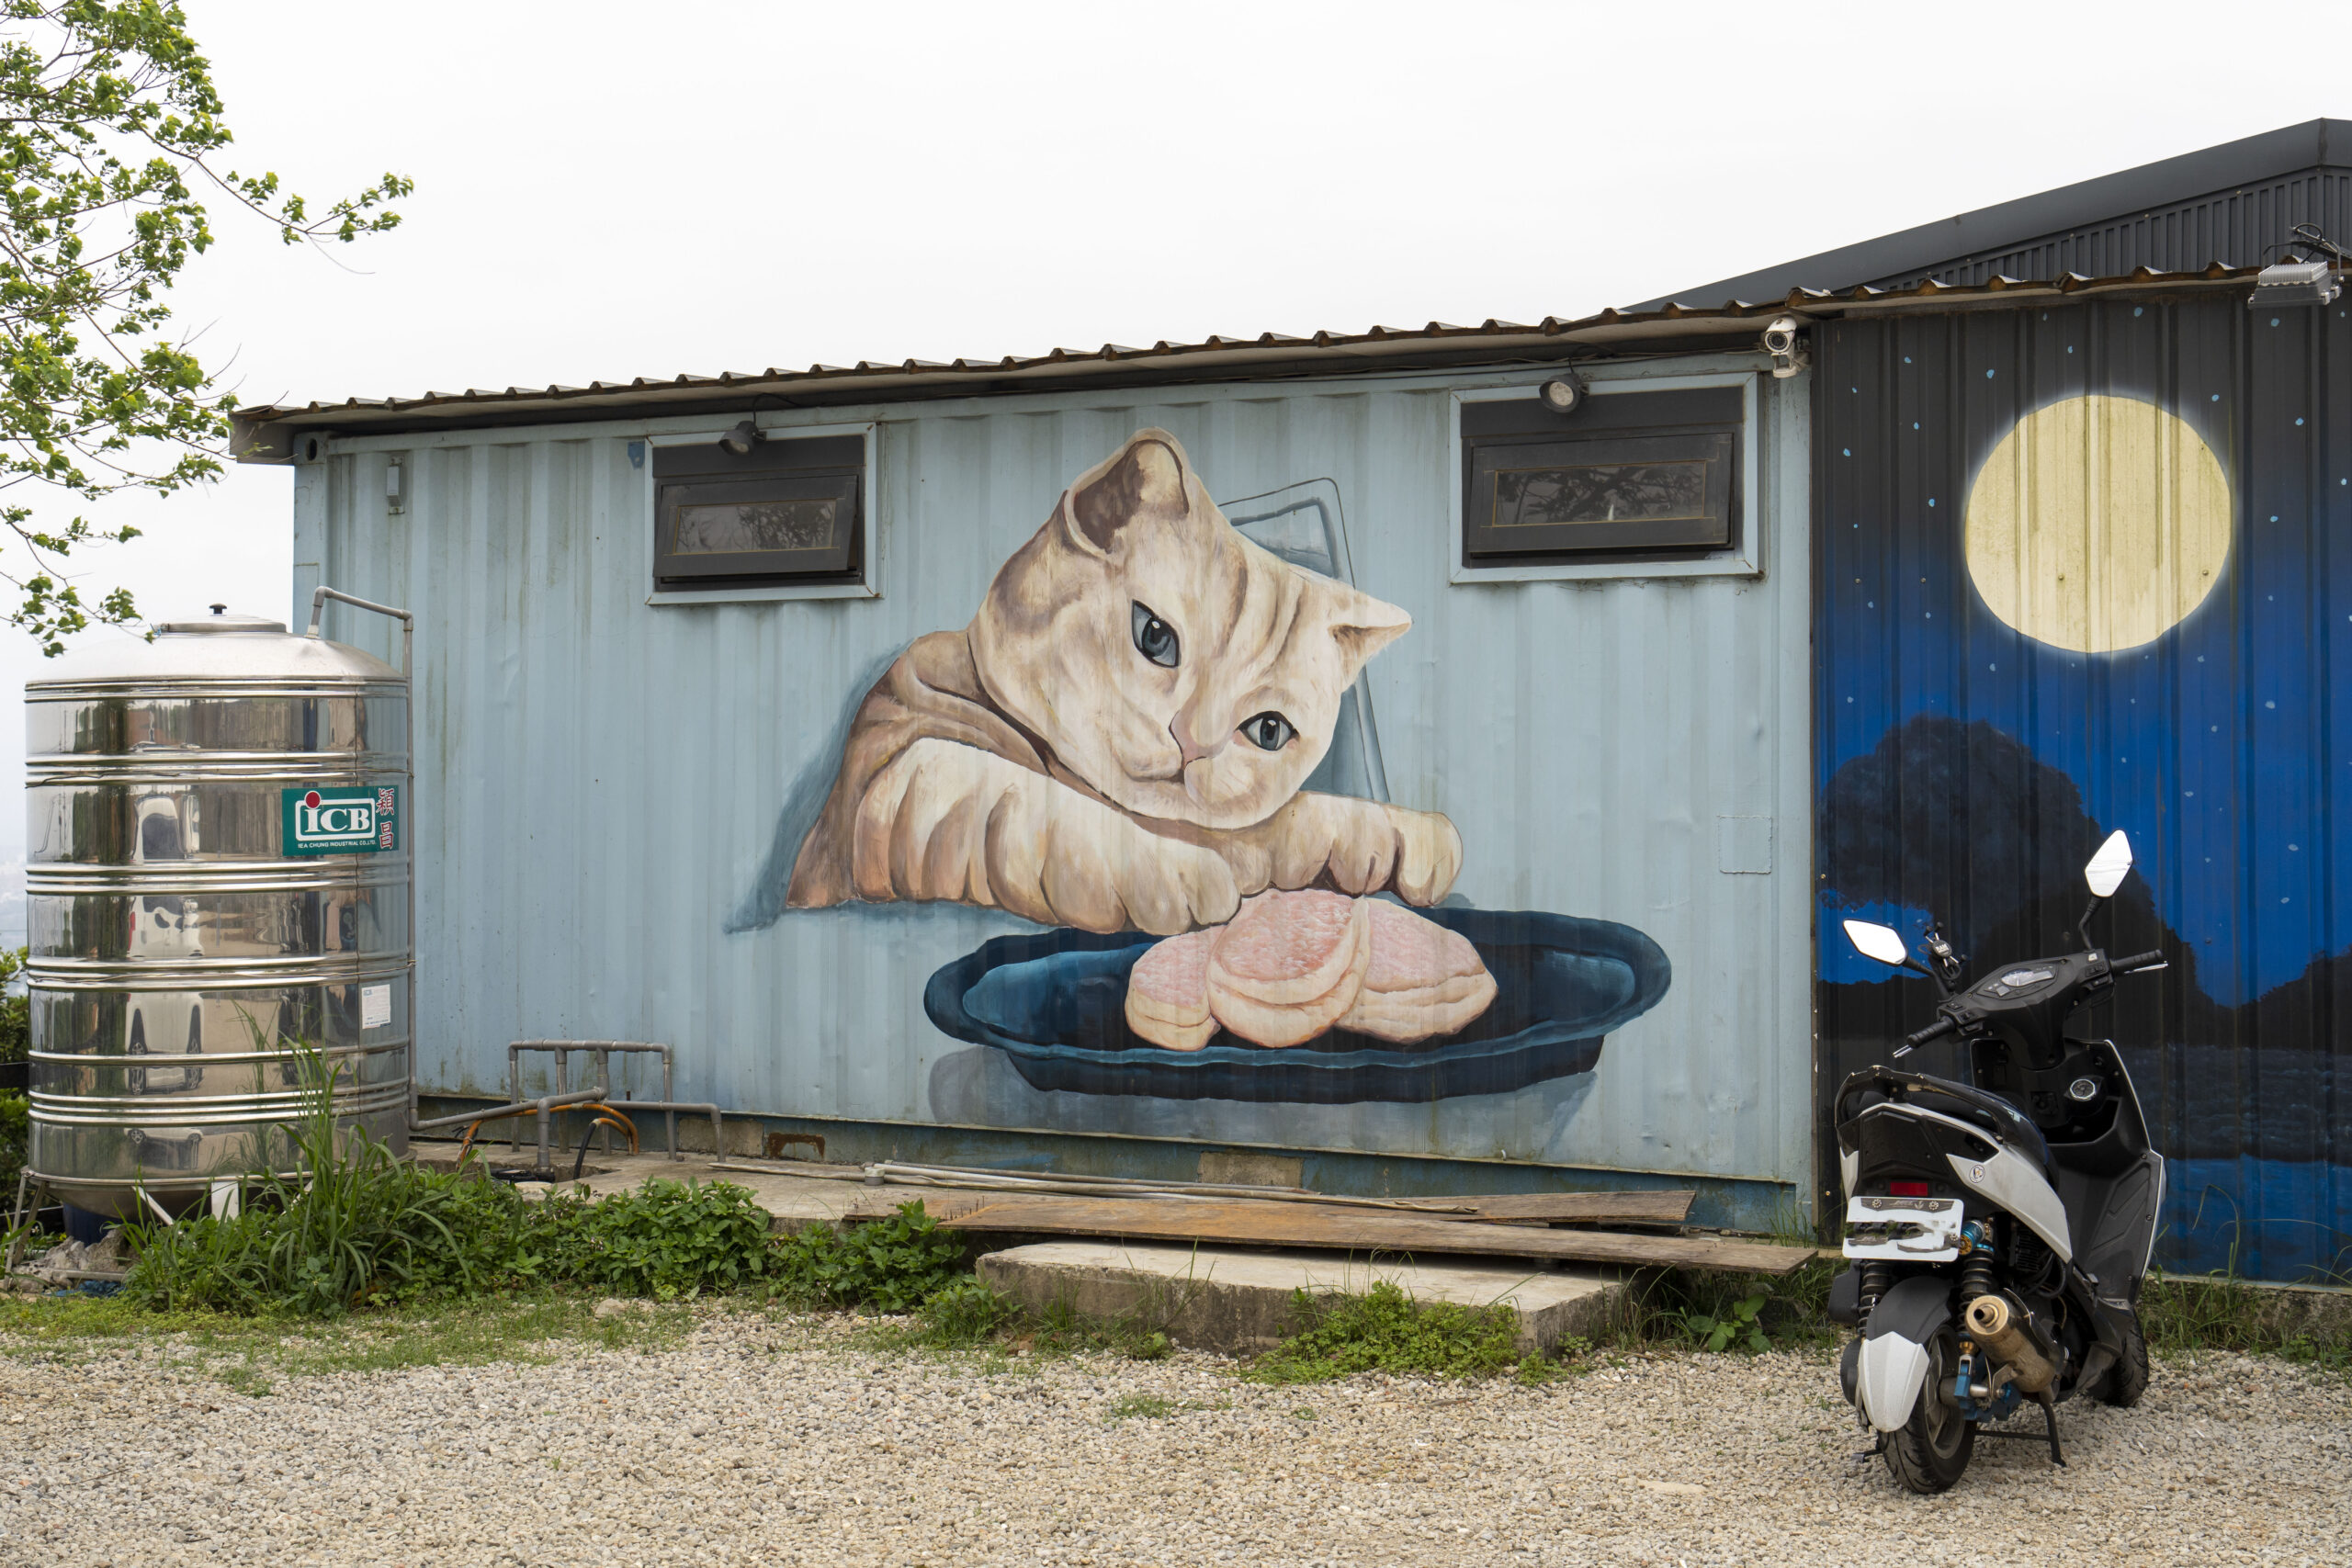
[[1636, 425], [786, 467]]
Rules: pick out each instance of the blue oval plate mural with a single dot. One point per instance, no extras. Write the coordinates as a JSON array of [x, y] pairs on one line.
[[1056, 1003]]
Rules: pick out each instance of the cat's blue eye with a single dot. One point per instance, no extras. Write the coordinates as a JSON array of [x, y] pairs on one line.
[[1268, 731], [1155, 638]]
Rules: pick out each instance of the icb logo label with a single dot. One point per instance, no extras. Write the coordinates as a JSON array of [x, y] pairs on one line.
[[341, 822]]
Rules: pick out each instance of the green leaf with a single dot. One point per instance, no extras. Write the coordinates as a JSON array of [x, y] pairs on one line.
[[108, 121]]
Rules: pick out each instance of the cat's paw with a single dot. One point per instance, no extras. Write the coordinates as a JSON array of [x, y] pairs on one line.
[[1357, 846], [1429, 854], [1171, 888]]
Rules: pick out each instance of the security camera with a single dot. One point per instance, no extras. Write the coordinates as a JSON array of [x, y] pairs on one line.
[[1563, 394], [1789, 352]]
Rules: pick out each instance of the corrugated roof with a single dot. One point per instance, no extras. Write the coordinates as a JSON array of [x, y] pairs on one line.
[[2136, 201], [1267, 356]]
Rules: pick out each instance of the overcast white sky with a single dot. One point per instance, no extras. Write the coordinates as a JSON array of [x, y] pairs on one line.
[[608, 190]]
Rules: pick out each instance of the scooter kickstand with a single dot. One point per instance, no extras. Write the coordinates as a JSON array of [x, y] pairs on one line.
[[2050, 1420]]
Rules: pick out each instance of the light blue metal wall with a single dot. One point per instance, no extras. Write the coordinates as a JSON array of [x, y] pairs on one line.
[[600, 780]]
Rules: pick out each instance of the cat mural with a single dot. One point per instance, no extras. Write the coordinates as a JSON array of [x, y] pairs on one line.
[[1116, 748], [1117, 741]]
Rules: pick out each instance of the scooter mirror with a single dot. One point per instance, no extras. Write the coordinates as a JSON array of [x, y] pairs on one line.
[[2109, 866], [1881, 942]]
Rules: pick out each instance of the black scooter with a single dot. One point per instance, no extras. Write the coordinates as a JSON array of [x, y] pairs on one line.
[[1998, 1228]]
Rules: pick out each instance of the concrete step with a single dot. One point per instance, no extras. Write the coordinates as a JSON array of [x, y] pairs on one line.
[[1240, 1301]]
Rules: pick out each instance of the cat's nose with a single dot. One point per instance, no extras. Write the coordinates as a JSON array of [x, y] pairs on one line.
[[1179, 730]]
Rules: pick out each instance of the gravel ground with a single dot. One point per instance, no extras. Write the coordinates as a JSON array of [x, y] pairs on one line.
[[783, 1440]]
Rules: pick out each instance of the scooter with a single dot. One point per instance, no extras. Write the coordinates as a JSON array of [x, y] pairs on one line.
[[1998, 1228]]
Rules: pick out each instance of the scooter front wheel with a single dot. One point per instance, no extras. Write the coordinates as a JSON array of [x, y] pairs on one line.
[[1928, 1453]]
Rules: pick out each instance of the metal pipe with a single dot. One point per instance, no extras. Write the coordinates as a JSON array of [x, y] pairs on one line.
[[603, 1050], [1990, 1320], [697, 1107], [513, 1108]]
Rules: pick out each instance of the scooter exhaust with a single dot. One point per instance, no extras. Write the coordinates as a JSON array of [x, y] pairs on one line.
[[1994, 1327]]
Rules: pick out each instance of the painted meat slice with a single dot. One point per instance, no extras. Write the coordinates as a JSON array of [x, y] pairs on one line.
[[1288, 966], [1421, 980], [1167, 993]]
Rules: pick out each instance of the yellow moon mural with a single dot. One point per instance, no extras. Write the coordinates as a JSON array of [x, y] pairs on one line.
[[2097, 524]]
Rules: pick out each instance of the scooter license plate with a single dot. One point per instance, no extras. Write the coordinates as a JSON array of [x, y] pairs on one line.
[[1904, 1230]]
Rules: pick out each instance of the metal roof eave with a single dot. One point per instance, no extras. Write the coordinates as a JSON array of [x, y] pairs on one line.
[[1264, 359], [264, 433]]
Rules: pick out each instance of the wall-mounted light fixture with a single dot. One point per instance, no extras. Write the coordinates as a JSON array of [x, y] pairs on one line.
[[395, 499], [742, 438], [1564, 393], [2302, 279]]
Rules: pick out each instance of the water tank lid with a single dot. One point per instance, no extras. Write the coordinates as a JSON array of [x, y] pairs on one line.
[[221, 619], [199, 648]]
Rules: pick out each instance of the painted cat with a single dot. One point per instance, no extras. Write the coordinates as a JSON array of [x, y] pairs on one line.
[[1118, 738]]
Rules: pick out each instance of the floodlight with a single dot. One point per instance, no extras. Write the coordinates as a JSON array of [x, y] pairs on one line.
[[2294, 283], [1565, 394]]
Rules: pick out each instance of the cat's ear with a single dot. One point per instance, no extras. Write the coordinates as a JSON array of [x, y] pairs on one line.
[[1363, 626], [1143, 483]]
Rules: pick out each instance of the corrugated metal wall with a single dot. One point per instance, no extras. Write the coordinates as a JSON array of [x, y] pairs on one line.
[[2239, 227], [600, 780], [1967, 768]]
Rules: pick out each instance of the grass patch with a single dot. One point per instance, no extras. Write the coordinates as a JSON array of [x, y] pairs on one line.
[[353, 1228], [2184, 1314], [1696, 1309], [1386, 1330], [892, 1266], [251, 1354], [2180, 1315], [331, 1219]]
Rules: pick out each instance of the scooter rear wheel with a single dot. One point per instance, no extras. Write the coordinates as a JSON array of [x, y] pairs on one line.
[[1928, 1453], [2128, 1379]]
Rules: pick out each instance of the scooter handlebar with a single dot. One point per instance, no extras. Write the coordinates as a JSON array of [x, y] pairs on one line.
[[1935, 1031], [2154, 960]]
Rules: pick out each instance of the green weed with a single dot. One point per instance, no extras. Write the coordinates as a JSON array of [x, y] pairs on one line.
[[354, 1225], [891, 1266], [1717, 1312], [2183, 1314], [1741, 1325], [666, 1239], [352, 1220], [16, 1045], [1386, 1330], [964, 1315]]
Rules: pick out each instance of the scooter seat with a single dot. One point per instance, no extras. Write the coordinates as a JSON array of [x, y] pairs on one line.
[[1979, 1108]]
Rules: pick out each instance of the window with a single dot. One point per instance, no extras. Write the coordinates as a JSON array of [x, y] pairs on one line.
[[1644, 471], [1646, 478], [790, 515]]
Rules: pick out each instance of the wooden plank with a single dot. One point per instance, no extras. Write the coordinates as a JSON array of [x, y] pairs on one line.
[[1257, 1223], [1590, 1208]]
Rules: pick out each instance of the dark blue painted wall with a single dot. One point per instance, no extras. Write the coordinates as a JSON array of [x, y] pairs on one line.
[[1966, 770]]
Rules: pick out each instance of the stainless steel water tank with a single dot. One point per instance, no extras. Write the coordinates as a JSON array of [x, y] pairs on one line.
[[217, 868]]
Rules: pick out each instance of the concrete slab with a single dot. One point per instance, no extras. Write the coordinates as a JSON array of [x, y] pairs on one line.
[[1240, 1301]]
